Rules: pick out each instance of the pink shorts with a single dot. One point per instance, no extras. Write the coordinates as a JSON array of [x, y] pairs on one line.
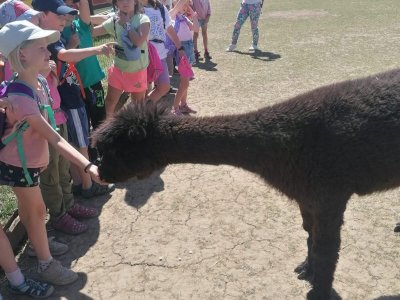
[[135, 82]]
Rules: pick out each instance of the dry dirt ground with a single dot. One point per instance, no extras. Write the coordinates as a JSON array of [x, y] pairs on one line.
[[217, 232]]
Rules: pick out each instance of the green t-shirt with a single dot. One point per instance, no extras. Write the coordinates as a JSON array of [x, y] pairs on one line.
[[130, 66], [89, 68]]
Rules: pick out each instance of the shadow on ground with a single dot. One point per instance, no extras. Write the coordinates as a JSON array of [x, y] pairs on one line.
[[260, 55]]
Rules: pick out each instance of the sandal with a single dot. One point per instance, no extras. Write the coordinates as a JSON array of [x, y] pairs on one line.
[[69, 225], [80, 211], [33, 288]]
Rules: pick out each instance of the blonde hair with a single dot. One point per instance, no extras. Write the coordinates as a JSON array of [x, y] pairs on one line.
[[14, 58]]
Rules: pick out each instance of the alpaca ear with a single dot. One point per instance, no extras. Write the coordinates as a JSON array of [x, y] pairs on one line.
[[137, 133]]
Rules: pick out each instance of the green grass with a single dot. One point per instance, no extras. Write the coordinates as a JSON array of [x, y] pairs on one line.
[[8, 204]]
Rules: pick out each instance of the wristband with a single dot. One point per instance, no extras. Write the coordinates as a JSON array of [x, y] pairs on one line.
[[87, 167], [181, 48]]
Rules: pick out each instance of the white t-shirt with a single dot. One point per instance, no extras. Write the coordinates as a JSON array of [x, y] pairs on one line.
[[184, 33], [157, 30], [251, 1]]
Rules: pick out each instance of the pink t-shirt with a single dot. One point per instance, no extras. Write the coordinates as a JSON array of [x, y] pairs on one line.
[[59, 115], [36, 148]]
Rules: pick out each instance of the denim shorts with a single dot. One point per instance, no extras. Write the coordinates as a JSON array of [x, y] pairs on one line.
[[202, 22], [189, 50], [15, 177]]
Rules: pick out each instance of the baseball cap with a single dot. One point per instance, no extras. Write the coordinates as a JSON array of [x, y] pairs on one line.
[[15, 10], [15, 33], [55, 6]]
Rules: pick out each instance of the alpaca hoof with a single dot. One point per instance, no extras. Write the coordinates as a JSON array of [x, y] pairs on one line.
[[302, 267], [315, 295], [397, 228]]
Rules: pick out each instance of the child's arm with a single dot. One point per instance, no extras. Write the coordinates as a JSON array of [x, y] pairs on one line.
[[98, 19], [174, 37], [75, 55], [136, 37], [39, 124], [99, 30], [177, 8], [84, 11], [193, 25]]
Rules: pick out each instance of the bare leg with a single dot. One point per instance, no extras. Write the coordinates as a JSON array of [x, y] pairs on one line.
[[195, 38], [32, 211], [180, 94], [160, 91], [7, 259], [111, 100], [205, 37], [138, 97]]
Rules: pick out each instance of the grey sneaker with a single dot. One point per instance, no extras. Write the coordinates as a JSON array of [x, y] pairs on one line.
[[57, 274], [97, 190], [56, 248], [33, 288]]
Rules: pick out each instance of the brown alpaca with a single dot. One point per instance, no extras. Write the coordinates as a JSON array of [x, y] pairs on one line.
[[317, 148]]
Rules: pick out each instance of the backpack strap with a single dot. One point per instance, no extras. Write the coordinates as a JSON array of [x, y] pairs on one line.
[[22, 89], [162, 11], [70, 70]]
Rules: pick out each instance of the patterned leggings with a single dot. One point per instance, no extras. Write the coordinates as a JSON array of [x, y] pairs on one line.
[[246, 10]]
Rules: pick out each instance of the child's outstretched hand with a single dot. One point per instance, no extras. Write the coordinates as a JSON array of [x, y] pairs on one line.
[[107, 49], [93, 171]]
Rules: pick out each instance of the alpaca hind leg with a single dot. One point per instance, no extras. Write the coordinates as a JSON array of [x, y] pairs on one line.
[[305, 268], [325, 245]]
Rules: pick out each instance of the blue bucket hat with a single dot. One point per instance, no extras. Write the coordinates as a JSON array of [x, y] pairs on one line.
[[55, 6]]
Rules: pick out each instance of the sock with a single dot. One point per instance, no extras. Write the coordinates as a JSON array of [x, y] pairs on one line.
[[44, 264], [16, 278], [205, 50]]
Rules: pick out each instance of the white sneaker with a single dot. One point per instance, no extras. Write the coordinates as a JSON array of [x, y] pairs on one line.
[[231, 48], [253, 48]]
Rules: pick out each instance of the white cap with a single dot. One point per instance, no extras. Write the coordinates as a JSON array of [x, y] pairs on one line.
[[15, 10], [15, 33]]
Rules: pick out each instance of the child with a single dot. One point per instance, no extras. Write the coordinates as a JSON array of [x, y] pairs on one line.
[[160, 27], [25, 46], [130, 29], [203, 10], [89, 68], [248, 8], [55, 180], [14, 10], [71, 89], [184, 29]]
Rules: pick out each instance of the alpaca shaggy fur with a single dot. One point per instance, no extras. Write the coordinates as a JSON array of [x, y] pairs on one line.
[[317, 148]]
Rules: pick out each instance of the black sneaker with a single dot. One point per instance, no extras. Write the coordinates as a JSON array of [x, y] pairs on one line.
[[172, 90], [97, 190], [207, 55], [33, 288]]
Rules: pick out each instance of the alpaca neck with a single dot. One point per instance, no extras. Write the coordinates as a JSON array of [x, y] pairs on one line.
[[215, 140]]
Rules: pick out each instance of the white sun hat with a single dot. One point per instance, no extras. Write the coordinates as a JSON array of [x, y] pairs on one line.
[[13, 34]]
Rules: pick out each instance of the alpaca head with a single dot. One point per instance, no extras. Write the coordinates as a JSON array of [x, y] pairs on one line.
[[124, 143]]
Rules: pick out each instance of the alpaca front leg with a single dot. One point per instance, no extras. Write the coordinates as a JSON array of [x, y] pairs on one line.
[[325, 244], [304, 269]]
